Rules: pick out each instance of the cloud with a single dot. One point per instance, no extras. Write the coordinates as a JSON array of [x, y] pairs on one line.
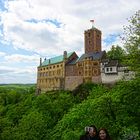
[[47, 28], [21, 58], [27, 69], [3, 71], [19, 68], [17, 75], [2, 54]]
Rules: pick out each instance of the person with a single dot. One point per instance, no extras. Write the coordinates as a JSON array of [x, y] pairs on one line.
[[90, 134], [103, 134]]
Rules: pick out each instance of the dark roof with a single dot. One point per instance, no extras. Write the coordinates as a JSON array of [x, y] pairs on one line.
[[73, 61], [93, 28], [55, 60], [112, 63], [109, 63], [122, 65], [105, 60], [95, 55]]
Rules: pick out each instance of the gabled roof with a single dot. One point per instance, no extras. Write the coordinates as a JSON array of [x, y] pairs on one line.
[[56, 59], [93, 55], [112, 63], [73, 61], [105, 60]]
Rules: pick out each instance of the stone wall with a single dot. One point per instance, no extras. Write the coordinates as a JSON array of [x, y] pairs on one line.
[[71, 82], [112, 78], [71, 70], [96, 79]]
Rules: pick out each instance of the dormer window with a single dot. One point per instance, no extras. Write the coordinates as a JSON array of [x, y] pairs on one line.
[[91, 58]]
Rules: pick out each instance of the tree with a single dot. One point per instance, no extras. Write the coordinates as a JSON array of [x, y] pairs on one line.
[[116, 52], [131, 40], [31, 127]]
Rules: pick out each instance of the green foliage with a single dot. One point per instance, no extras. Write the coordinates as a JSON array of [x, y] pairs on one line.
[[130, 133], [109, 109], [132, 42], [31, 126], [63, 115], [83, 90], [116, 53]]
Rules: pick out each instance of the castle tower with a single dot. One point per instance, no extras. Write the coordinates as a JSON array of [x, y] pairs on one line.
[[92, 40]]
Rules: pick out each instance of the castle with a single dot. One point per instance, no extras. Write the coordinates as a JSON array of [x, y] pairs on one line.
[[67, 71]]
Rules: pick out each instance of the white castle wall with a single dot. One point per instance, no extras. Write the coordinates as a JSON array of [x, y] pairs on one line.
[[112, 78]]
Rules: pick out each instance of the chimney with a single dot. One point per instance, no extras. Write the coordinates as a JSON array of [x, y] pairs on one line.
[[40, 61], [65, 55], [49, 61]]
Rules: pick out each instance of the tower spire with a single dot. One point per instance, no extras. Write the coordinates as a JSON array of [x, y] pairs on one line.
[[92, 21]]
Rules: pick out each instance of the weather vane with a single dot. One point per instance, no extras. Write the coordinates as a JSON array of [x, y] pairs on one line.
[[92, 21]]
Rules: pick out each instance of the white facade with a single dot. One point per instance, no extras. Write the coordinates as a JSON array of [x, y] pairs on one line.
[[111, 78], [112, 74], [112, 69]]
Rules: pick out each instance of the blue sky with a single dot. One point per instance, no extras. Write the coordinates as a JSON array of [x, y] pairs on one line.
[[30, 29]]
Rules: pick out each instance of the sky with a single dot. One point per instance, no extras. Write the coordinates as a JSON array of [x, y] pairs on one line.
[[30, 29]]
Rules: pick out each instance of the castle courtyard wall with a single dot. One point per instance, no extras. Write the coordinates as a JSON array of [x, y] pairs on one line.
[[71, 82]]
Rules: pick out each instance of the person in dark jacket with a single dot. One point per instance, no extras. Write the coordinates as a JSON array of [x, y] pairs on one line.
[[90, 134], [103, 134]]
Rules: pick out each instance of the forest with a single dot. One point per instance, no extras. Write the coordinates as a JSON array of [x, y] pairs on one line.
[[62, 115]]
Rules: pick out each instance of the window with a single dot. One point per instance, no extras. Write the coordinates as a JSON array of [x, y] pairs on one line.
[[79, 65], [95, 64], [95, 72], [110, 69], [107, 69], [126, 71], [39, 75], [89, 42], [91, 58]]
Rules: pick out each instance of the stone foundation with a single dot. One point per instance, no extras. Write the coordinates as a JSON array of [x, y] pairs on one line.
[[71, 82]]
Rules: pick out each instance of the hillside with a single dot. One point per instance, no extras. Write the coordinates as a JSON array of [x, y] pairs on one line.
[[62, 115]]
